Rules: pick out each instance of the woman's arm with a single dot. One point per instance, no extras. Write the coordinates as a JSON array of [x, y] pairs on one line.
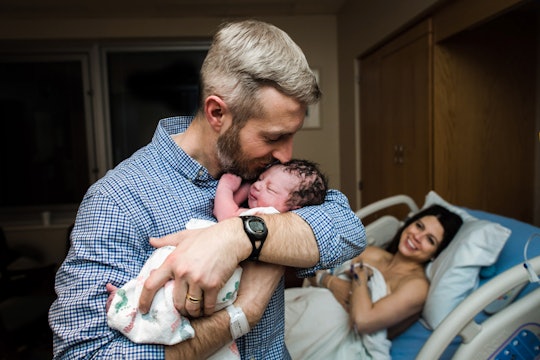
[[340, 288], [403, 302]]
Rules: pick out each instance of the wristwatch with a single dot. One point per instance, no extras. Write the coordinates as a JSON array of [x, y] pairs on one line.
[[256, 230]]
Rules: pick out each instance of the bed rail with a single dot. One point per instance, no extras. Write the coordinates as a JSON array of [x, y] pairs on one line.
[[461, 320], [387, 202]]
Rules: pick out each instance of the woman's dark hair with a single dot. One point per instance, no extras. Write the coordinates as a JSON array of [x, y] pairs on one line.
[[450, 222]]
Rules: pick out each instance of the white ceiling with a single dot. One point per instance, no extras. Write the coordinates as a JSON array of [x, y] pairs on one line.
[[169, 8]]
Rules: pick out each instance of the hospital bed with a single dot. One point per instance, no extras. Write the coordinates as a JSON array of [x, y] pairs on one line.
[[493, 311]]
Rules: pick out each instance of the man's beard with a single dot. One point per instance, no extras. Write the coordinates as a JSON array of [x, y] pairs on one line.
[[231, 157]]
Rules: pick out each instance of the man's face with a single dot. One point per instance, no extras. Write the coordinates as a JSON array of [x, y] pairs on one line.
[[231, 157], [248, 150]]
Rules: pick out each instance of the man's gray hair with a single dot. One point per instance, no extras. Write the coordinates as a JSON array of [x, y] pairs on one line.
[[247, 55]]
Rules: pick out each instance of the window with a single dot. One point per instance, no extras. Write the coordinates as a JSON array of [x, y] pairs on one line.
[[44, 147], [66, 119], [144, 86]]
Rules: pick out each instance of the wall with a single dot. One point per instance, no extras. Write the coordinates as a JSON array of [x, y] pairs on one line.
[[361, 26], [319, 42]]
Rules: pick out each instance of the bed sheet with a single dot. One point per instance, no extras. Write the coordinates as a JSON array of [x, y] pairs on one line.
[[407, 345]]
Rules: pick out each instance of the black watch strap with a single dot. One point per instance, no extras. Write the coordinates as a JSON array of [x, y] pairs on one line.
[[256, 230]]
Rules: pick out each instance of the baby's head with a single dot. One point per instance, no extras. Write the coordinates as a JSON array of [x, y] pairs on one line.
[[289, 186], [312, 183]]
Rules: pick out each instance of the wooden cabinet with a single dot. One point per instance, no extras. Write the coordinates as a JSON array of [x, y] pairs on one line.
[[462, 108], [396, 118]]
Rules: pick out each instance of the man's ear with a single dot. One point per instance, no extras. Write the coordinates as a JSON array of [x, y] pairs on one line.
[[215, 109]]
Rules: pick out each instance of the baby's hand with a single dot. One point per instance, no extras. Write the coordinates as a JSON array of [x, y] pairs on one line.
[[111, 289], [231, 181]]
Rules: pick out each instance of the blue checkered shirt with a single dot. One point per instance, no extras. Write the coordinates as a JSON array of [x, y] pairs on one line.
[[151, 194]]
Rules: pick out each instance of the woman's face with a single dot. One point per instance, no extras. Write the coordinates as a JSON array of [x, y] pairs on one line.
[[421, 238]]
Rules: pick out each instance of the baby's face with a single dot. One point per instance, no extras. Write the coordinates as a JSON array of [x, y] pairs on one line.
[[273, 188]]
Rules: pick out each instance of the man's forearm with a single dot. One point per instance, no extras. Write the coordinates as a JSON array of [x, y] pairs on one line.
[[258, 283], [290, 241], [211, 333]]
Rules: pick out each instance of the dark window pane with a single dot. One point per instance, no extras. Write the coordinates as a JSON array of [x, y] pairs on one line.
[[146, 86], [43, 152]]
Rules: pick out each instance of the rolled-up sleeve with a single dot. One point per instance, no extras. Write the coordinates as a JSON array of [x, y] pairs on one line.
[[340, 234]]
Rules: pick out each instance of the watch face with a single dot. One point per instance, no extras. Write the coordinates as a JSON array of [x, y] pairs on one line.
[[257, 226], [256, 231]]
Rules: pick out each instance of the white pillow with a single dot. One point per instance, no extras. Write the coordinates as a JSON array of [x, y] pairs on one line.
[[454, 274]]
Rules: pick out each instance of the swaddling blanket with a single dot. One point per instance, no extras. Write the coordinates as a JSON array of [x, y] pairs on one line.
[[317, 326], [163, 324]]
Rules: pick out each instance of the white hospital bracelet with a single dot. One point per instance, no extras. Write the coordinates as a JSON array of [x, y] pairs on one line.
[[239, 324]]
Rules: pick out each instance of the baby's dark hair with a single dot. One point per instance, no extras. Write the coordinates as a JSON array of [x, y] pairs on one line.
[[313, 186], [450, 222]]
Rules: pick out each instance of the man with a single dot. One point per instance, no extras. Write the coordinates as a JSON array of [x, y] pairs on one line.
[[256, 85]]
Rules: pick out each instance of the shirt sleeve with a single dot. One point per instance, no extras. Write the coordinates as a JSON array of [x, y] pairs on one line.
[[106, 248], [340, 234]]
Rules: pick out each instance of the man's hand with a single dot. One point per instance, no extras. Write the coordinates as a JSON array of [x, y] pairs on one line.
[[259, 281], [204, 259]]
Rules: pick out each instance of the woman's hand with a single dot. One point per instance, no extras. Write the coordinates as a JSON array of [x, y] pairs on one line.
[[341, 289], [358, 272]]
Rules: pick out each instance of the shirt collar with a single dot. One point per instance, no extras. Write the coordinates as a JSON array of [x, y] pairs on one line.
[[175, 155]]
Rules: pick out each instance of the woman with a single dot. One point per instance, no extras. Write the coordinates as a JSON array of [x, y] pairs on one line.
[[377, 291]]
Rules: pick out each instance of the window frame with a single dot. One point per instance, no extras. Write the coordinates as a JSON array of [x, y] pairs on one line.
[[127, 47], [93, 59]]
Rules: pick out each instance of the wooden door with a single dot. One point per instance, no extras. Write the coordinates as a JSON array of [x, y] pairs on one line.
[[396, 119], [485, 104]]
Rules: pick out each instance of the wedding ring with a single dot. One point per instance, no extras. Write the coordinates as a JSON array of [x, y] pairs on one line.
[[193, 299]]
